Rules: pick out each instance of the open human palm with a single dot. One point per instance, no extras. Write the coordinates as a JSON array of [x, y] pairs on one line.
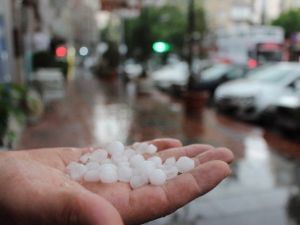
[[35, 188]]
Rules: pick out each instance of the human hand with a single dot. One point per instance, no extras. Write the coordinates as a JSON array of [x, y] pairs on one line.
[[36, 190]]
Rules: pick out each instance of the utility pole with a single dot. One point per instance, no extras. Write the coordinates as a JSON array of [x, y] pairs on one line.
[[190, 39], [264, 12]]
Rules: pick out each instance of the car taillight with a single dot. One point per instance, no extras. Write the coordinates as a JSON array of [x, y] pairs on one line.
[[61, 52], [252, 63]]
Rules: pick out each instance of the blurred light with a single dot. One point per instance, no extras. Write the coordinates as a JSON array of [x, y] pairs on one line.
[[161, 47], [123, 49], [83, 51], [252, 63], [61, 51]]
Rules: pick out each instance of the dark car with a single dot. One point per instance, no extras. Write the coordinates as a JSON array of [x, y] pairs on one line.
[[212, 77], [55, 57]]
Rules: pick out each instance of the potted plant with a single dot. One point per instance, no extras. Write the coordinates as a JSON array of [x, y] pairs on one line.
[[17, 104], [11, 111]]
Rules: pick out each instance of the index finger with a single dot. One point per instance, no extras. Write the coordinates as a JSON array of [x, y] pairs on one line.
[[165, 143]]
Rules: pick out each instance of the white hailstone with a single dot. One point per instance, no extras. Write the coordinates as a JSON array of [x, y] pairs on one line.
[[171, 172], [119, 158], [120, 164], [157, 160], [92, 176], [98, 156], [129, 153], [108, 174], [170, 162], [124, 173], [136, 145], [76, 170], [115, 148], [142, 148], [185, 164], [106, 161], [157, 177], [151, 149], [145, 168], [128, 165], [138, 181], [85, 158], [73, 165], [136, 160], [109, 165], [92, 165]]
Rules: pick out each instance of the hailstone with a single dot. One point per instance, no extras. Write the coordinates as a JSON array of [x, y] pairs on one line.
[[115, 163], [115, 148], [157, 177], [185, 164]]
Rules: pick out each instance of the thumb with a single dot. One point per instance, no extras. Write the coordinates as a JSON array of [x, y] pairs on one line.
[[91, 209]]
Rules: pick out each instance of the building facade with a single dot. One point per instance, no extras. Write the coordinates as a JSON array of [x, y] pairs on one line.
[[6, 51], [74, 20], [229, 13]]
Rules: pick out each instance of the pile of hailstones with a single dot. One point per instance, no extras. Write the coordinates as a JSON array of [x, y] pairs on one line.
[[117, 163]]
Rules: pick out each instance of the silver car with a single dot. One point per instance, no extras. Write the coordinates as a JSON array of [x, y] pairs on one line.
[[248, 98]]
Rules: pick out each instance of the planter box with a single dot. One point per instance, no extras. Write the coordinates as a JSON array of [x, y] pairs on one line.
[[195, 101]]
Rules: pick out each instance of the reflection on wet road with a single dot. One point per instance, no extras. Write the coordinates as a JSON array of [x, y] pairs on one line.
[[263, 188]]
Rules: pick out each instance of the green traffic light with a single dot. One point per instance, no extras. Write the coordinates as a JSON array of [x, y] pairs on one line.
[[161, 47]]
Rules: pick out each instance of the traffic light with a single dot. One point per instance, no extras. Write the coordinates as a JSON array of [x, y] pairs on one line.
[[161, 47], [61, 51]]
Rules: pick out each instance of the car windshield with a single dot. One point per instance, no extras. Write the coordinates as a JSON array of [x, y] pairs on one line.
[[214, 72], [272, 74]]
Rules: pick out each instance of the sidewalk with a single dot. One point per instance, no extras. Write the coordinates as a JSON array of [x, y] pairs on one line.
[[66, 122]]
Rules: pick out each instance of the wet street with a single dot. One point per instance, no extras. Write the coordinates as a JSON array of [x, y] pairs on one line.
[[264, 186]]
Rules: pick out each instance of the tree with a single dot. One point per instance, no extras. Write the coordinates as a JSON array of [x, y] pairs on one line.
[[154, 24], [289, 21], [167, 23]]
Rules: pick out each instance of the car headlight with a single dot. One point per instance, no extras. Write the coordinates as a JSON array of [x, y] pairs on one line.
[[289, 101]]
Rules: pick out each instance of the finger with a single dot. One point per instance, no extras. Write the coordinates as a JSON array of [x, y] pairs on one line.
[[189, 151], [222, 154], [57, 158], [176, 192], [165, 143], [90, 209], [199, 181]]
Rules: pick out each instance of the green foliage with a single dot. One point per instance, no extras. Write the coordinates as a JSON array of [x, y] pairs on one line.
[[168, 24], [200, 23], [289, 20], [12, 101]]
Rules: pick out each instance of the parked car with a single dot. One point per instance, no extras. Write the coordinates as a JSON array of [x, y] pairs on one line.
[[57, 56], [214, 76], [285, 112], [248, 98], [170, 75], [132, 69]]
